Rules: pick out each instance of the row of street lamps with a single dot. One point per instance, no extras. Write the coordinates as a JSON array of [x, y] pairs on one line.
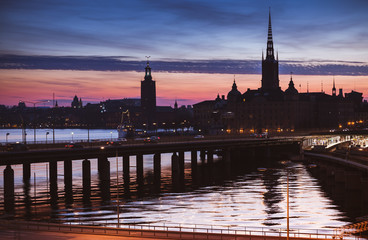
[[7, 135]]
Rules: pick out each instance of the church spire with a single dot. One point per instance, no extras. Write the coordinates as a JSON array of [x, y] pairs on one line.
[[334, 88], [270, 52], [270, 65]]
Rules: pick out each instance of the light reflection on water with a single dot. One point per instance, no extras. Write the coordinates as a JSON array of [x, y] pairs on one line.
[[251, 199]]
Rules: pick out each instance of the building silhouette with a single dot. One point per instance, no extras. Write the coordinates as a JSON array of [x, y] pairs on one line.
[[77, 103], [269, 109], [270, 65], [148, 98]]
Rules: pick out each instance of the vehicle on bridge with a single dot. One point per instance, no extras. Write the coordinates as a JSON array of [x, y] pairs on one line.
[[16, 147], [116, 143], [73, 145], [152, 139]]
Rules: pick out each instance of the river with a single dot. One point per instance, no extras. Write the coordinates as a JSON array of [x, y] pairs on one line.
[[249, 197]]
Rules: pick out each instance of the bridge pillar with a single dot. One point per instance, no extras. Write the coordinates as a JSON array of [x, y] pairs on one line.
[[301, 152], [210, 156], [53, 182], [68, 181], [181, 165], [9, 189], [193, 161], [253, 154], [26, 172], [226, 159], [139, 169], [86, 174], [202, 156], [157, 169], [27, 187], [175, 169], [126, 173], [104, 175], [268, 152], [101, 160]]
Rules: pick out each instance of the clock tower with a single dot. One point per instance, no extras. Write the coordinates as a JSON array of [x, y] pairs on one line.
[[148, 97]]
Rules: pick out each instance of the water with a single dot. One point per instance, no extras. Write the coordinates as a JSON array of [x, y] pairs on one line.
[[247, 197], [15, 135]]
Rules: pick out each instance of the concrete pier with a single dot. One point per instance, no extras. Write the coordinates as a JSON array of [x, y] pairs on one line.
[[68, 181], [175, 169], [86, 173], [9, 189], [126, 173], [139, 169], [194, 164], [53, 182], [157, 169], [26, 172]]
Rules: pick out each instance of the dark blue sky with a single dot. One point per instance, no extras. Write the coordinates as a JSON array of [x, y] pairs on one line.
[[331, 30]]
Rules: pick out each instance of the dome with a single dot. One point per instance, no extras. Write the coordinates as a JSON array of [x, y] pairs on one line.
[[234, 94], [291, 89]]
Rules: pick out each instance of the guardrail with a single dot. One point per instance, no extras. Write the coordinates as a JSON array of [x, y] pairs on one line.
[[174, 231]]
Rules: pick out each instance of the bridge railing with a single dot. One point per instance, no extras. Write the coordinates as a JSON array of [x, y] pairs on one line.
[[171, 230]]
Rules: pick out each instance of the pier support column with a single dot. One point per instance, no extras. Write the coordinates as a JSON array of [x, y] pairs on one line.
[[126, 173], [210, 156], [253, 154], [193, 164], [210, 165], [301, 152], [157, 169], [26, 172], [9, 189], [227, 161], [68, 181], [104, 175], [86, 173], [140, 170], [202, 155], [181, 165], [53, 182], [268, 152], [175, 169]]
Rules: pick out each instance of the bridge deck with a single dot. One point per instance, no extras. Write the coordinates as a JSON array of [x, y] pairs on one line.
[[131, 149]]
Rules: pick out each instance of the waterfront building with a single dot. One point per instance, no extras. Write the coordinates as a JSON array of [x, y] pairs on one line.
[[270, 109], [77, 103]]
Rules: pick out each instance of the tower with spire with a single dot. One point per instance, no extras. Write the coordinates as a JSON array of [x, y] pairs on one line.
[[148, 96], [270, 65], [334, 88]]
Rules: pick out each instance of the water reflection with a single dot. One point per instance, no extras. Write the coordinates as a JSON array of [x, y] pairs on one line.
[[208, 195]]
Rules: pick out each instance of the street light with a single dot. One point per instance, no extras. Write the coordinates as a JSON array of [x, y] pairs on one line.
[[47, 133], [72, 136], [111, 136], [34, 116], [287, 197], [7, 134]]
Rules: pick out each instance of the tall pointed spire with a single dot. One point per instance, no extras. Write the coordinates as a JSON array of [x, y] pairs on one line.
[[334, 88], [270, 65], [269, 26], [270, 52]]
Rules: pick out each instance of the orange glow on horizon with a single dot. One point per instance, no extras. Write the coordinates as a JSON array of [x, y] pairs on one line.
[[188, 88]]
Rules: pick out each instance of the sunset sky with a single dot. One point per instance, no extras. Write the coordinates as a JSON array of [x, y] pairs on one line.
[[97, 49]]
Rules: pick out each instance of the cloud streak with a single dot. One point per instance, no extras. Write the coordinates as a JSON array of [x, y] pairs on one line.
[[124, 63]]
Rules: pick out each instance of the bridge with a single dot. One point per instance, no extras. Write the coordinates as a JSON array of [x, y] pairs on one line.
[[231, 150], [331, 141]]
